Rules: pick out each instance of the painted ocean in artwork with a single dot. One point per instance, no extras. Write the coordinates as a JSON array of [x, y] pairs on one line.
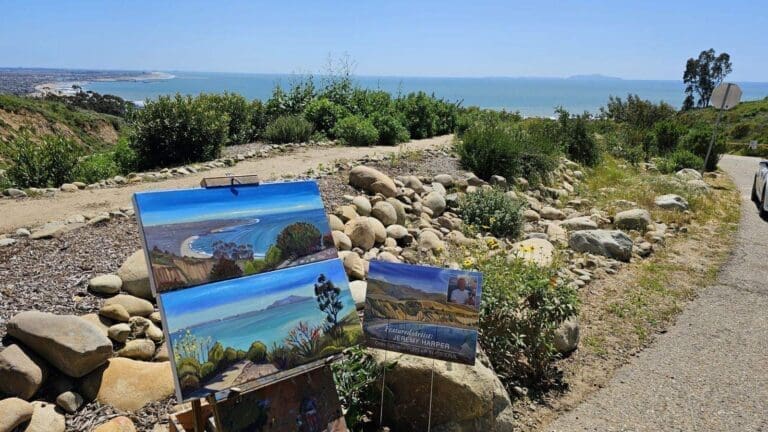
[[231, 332], [196, 236], [424, 311]]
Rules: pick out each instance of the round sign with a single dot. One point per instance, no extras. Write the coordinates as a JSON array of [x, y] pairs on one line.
[[725, 96]]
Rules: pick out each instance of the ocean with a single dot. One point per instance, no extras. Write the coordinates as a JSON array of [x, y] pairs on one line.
[[529, 96]]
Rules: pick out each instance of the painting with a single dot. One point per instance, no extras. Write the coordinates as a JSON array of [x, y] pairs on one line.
[[231, 332], [305, 403], [197, 236], [425, 311]]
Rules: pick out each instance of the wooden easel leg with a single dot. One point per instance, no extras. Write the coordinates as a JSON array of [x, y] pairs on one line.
[[197, 412]]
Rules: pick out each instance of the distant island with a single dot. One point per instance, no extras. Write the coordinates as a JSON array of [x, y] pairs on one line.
[[594, 77], [288, 300]]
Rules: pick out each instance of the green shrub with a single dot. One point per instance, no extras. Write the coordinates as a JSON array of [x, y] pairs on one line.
[[258, 120], [237, 110], [357, 378], [288, 129], [356, 131], [257, 353], [282, 357], [697, 141], [124, 156], [96, 167], [323, 114], [420, 114], [493, 210], [230, 355], [391, 129], [576, 139], [678, 160], [216, 354], [501, 148], [296, 240], [468, 117], [522, 307], [366, 103], [178, 130], [49, 162], [741, 130], [667, 134], [636, 112], [206, 369]]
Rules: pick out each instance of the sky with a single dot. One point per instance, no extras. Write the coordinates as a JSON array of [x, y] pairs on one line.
[[648, 39]]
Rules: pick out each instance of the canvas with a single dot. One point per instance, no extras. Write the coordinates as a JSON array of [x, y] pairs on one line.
[[305, 403], [198, 236], [228, 333], [426, 311]]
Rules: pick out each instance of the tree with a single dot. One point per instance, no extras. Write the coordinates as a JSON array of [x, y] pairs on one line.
[[328, 299], [703, 74], [299, 239]]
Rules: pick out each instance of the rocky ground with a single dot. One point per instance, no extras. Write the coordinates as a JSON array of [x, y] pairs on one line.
[[394, 208]]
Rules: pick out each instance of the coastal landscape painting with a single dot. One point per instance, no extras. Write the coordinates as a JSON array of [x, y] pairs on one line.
[[232, 332], [197, 236], [426, 311], [305, 403]]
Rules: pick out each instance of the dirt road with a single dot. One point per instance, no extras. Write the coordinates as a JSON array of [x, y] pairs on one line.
[[31, 212], [710, 371]]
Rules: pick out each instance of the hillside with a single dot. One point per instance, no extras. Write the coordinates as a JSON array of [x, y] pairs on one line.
[[745, 122]]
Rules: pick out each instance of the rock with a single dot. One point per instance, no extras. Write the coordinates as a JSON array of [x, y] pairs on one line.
[[551, 213], [69, 401], [611, 244], [644, 249], [435, 202], [162, 354], [358, 289], [499, 181], [129, 384], [15, 412], [362, 205], [134, 305], [579, 223], [45, 418], [21, 372], [14, 193], [99, 321], [635, 219], [688, 174], [430, 241], [444, 179], [379, 232], [397, 232], [117, 424], [354, 266], [361, 233], [138, 349], [531, 215], [384, 212], [70, 343], [23, 232], [7, 242], [465, 398], [119, 332], [372, 181], [557, 235], [135, 276], [105, 284], [335, 223], [537, 251], [671, 202], [154, 333], [69, 187], [99, 219], [139, 326], [53, 230], [388, 257], [414, 183], [114, 312], [399, 210], [347, 213], [567, 335], [341, 240], [699, 186], [156, 318]]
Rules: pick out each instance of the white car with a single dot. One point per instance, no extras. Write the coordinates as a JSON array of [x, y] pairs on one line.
[[760, 188]]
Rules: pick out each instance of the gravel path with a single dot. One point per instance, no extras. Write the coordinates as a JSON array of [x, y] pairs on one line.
[[710, 371]]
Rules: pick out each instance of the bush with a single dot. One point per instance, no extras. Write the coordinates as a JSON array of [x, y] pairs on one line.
[[323, 114], [124, 156], [297, 240], [667, 134], [288, 129], [741, 131], [493, 210], [178, 130], [96, 167], [356, 131], [366, 103], [357, 376], [257, 353], [468, 117], [489, 148], [636, 112], [678, 160], [576, 139], [237, 109], [697, 141], [391, 129], [258, 120], [420, 114], [47, 163], [522, 307]]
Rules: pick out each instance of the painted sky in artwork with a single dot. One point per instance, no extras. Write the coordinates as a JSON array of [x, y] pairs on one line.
[[194, 205], [428, 279]]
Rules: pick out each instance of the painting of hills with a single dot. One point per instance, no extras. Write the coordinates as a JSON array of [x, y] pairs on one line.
[[231, 332], [197, 236], [421, 310]]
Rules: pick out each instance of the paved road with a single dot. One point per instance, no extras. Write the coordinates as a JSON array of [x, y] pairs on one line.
[[710, 371]]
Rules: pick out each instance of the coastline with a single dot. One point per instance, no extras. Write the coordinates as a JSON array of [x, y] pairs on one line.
[[65, 88]]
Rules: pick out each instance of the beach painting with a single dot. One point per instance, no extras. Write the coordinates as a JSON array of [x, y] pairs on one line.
[[425, 311], [305, 403], [231, 332], [197, 236]]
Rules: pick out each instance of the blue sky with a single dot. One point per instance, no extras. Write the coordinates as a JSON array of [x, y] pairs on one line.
[[648, 39], [190, 205], [430, 279], [190, 306]]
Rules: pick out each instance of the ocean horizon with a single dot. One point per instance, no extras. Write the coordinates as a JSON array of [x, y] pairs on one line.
[[531, 96]]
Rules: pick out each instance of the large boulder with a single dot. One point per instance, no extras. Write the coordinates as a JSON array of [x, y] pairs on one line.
[[385, 212], [551, 213], [45, 418], [14, 413], [635, 219], [372, 180], [465, 398], [362, 204], [21, 372], [671, 202], [579, 223], [379, 231], [428, 240], [534, 250], [138, 349], [129, 384], [105, 284], [135, 276], [354, 266], [69, 343], [609, 243], [361, 233], [117, 424], [133, 305], [567, 335], [341, 240], [399, 210], [435, 202]]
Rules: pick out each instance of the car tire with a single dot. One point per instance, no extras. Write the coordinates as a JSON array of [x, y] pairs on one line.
[[755, 198], [763, 211]]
